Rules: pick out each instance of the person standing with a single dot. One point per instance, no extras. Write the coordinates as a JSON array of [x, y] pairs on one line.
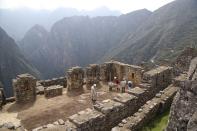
[[116, 81], [123, 85], [93, 94], [130, 84]]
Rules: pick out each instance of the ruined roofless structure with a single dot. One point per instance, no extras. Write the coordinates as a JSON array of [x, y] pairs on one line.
[[25, 88]]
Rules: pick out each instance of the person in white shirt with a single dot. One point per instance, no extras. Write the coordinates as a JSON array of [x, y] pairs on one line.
[[93, 94], [123, 85]]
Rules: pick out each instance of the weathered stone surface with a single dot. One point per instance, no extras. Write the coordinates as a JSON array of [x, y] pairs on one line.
[[112, 69], [141, 93], [88, 120], [75, 78], [148, 111], [130, 102], [2, 97], [184, 104], [61, 122], [92, 75], [55, 81], [192, 124], [53, 91], [114, 111], [9, 125], [24, 88]]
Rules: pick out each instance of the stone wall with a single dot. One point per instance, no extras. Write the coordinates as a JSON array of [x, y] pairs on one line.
[[112, 69], [55, 81], [75, 78], [158, 78], [147, 112], [52, 91], [24, 88], [184, 105], [92, 75]]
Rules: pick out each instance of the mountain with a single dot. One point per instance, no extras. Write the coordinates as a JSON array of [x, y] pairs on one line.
[[12, 62], [18, 21], [162, 36], [77, 40]]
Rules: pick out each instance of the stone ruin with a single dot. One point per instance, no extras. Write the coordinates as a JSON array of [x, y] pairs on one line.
[[112, 69], [52, 91], [108, 113], [75, 78], [135, 104], [92, 75], [24, 88], [2, 96]]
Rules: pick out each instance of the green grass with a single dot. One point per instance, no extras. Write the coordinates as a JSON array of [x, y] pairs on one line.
[[159, 123]]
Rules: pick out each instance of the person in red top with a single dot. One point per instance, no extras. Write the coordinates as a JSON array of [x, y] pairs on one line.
[[116, 81]]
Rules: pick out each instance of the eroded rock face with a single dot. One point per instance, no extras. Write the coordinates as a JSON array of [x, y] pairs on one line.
[[184, 107]]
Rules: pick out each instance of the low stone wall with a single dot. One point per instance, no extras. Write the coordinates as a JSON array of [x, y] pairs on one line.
[[147, 112], [53, 91], [55, 81]]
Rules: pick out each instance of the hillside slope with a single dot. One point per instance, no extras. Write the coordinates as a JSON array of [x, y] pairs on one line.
[[12, 62], [163, 36], [77, 40]]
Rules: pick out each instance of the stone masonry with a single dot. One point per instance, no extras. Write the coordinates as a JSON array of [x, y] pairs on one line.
[[158, 78], [92, 75], [75, 78], [24, 88], [53, 91], [148, 111], [112, 69], [55, 81]]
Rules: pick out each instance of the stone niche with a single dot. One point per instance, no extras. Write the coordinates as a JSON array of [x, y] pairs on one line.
[[53, 91], [75, 78], [112, 69], [92, 75], [25, 88]]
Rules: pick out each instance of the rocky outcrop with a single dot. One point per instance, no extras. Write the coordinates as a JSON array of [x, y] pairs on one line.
[[184, 107]]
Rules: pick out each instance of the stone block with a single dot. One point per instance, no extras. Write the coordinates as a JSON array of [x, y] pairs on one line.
[[114, 111], [88, 120], [53, 91], [129, 101]]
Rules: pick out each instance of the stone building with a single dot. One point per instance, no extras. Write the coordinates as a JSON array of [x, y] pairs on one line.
[[92, 75], [75, 78], [24, 88], [53, 91], [112, 69]]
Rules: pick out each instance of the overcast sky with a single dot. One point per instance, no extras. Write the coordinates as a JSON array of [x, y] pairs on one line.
[[124, 6]]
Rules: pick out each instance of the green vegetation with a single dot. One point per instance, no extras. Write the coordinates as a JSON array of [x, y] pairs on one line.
[[159, 123]]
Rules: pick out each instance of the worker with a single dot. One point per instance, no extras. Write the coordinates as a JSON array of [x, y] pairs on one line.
[[93, 94]]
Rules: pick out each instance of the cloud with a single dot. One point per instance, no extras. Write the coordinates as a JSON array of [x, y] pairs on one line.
[[122, 5]]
